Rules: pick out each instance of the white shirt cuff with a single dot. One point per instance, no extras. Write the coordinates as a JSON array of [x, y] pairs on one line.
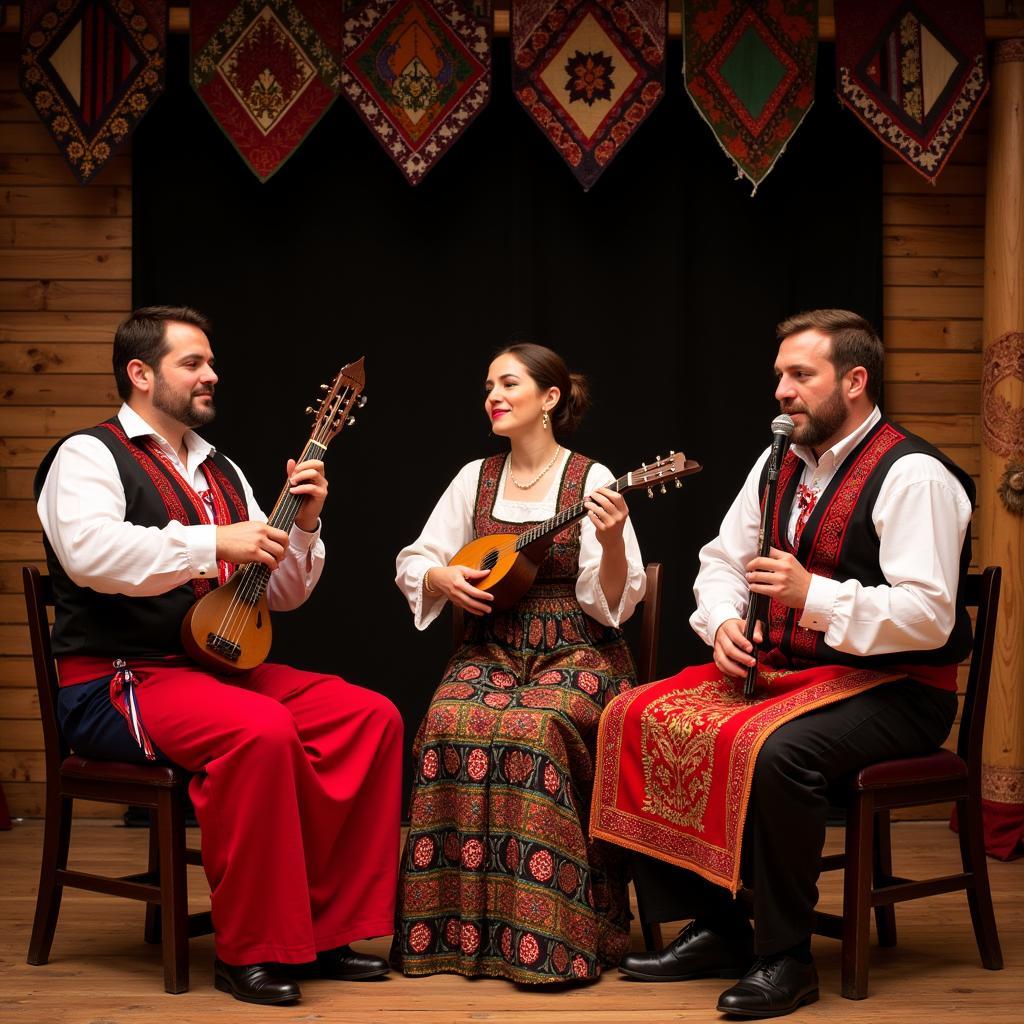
[[302, 540], [821, 602], [203, 551]]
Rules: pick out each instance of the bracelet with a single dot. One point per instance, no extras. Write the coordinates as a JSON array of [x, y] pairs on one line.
[[426, 582]]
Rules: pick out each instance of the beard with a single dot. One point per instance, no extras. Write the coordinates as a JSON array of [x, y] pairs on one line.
[[181, 406], [822, 423]]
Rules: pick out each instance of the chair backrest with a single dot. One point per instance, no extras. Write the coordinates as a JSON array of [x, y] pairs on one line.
[[645, 652], [982, 592], [39, 597]]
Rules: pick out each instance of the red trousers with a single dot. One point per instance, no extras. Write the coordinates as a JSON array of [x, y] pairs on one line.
[[297, 794]]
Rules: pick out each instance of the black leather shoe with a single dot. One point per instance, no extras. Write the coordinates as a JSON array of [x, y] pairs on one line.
[[698, 952], [773, 987], [256, 983], [346, 964]]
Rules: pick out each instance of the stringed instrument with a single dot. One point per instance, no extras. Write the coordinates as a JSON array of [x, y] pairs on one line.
[[513, 560], [229, 628]]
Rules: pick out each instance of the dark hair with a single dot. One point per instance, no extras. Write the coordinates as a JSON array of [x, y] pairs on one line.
[[854, 342], [548, 370], [144, 336]]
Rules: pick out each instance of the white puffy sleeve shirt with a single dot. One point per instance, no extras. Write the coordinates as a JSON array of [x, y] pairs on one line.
[[82, 509], [921, 516], [450, 527]]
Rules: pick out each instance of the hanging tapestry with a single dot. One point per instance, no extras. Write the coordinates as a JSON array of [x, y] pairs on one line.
[[588, 72], [913, 71], [675, 759], [91, 69], [418, 72], [267, 71], [749, 69]]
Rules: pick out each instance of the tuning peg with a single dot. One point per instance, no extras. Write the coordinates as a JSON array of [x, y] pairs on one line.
[[650, 492], [679, 484], [664, 489], [671, 452], [310, 410], [325, 387], [657, 458], [361, 401], [351, 421]]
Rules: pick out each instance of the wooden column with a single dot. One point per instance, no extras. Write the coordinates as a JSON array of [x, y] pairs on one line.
[[1001, 499]]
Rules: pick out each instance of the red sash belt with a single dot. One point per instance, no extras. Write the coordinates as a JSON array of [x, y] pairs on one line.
[[78, 668]]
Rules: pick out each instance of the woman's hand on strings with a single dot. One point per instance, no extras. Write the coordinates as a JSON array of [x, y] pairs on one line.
[[251, 541], [307, 481], [608, 511], [453, 581]]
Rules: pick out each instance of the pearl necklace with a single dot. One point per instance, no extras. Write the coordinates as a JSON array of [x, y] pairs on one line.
[[536, 479]]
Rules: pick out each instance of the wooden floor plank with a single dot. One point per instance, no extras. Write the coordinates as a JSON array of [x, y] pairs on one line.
[[100, 969]]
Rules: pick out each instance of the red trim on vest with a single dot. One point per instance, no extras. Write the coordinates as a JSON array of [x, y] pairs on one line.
[[172, 503], [830, 533]]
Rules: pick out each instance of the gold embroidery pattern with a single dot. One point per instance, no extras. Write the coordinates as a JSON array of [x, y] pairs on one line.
[[679, 731]]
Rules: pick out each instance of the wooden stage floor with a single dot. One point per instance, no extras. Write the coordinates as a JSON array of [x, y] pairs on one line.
[[101, 972]]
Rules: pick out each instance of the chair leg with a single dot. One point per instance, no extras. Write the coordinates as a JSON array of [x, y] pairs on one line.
[[56, 840], [173, 892], [857, 897], [652, 935], [885, 917], [979, 896], [153, 916]]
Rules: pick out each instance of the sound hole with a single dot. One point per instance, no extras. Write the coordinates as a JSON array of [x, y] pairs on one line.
[[489, 561]]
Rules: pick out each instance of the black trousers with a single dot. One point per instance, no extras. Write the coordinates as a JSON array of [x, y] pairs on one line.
[[798, 766]]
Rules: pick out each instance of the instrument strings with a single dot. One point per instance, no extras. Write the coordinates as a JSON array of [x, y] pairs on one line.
[[559, 519], [255, 575]]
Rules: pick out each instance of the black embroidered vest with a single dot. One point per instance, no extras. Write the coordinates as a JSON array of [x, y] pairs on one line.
[[563, 558], [115, 625], [839, 542]]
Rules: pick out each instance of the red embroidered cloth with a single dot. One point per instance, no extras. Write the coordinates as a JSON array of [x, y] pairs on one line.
[[675, 759], [267, 71], [914, 72]]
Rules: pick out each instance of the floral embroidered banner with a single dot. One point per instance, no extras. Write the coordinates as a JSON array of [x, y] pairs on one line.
[[749, 69], [418, 72], [913, 72], [675, 759], [588, 72], [91, 69], [267, 71]]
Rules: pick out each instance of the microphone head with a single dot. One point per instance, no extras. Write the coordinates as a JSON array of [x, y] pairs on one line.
[[783, 424]]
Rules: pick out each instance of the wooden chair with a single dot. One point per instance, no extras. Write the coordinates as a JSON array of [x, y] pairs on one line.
[[910, 782], [935, 778], [68, 776]]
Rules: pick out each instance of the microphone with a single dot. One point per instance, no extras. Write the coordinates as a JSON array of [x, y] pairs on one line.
[[782, 427]]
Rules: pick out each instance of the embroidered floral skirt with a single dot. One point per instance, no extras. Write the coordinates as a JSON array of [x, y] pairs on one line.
[[499, 876]]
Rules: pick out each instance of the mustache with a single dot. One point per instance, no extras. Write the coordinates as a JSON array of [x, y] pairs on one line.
[[203, 391]]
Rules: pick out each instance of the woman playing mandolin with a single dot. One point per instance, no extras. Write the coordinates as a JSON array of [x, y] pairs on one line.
[[499, 876]]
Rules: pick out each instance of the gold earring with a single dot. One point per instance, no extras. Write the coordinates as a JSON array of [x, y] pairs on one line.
[[544, 419]]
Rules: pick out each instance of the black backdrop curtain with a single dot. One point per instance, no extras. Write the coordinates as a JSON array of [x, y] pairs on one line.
[[663, 284]]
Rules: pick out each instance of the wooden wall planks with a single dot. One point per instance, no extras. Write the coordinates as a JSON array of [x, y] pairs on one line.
[[65, 282]]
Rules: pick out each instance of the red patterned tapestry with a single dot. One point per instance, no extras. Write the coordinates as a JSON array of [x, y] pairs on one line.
[[91, 69], [267, 71], [913, 71], [749, 69], [418, 72], [675, 759], [588, 72]]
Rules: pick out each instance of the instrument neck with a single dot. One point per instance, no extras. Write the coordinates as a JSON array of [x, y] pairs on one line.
[[563, 518], [286, 508]]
